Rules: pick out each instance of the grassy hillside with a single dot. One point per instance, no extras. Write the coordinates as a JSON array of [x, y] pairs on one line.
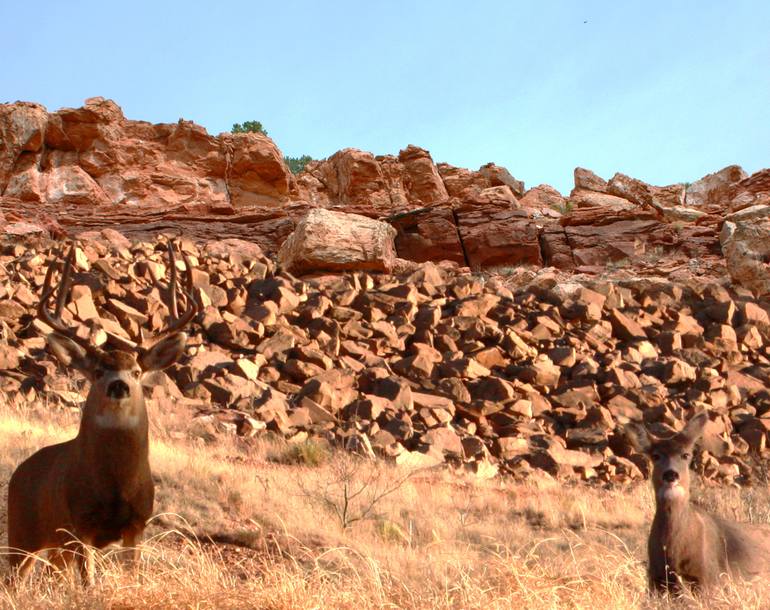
[[236, 528]]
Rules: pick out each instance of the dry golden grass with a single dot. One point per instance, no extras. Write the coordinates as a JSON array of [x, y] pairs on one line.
[[238, 530]]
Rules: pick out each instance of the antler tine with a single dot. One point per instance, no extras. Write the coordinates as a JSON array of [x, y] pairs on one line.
[[64, 283], [191, 306], [47, 290], [54, 321], [172, 304], [178, 322]]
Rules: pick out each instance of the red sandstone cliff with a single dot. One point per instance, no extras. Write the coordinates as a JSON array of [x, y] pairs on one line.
[[91, 167]]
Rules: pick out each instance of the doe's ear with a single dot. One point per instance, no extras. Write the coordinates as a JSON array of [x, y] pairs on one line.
[[639, 438], [694, 428], [164, 353], [70, 353]]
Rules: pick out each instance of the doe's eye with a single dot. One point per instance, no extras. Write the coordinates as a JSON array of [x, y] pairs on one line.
[[98, 373], [686, 456], [136, 374], [655, 456]]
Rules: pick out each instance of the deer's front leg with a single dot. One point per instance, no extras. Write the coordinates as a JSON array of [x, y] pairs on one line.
[[131, 539], [87, 564]]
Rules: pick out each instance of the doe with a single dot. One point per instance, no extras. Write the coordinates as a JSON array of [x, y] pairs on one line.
[[96, 488], [687, 544]]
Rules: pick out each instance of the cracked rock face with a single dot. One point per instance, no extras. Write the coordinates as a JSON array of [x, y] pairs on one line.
[[86, 168], [94, 155]]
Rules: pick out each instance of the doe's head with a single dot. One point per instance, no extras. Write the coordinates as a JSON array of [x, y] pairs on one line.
[[671, 458]]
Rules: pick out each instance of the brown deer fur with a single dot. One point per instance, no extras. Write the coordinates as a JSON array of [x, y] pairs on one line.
[[687, 544], [96, 488]]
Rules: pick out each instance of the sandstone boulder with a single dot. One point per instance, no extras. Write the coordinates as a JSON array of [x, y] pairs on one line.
[[70, 184], [460, 182], [587, 180], [746, 248], [594, 245], [499, 176], [584, 198], [26, 182], [502, 237], [334, 241], [92, 126], [751, 191], [383, 184], [714, 190], [493, 196], [257, 173], [751, 213], [543, 197], [354, 177], [556, 248], [646, 195], [428, 234], [22, 129], [421, 178]]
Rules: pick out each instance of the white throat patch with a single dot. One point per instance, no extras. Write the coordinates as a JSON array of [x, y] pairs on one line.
[[671, 492], [116, 421]]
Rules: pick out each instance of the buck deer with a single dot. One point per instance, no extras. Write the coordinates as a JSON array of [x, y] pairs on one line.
[[96, 488], [687, 544]]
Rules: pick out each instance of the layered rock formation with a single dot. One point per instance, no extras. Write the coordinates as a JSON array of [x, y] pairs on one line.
[[95, 156], [90, 167]]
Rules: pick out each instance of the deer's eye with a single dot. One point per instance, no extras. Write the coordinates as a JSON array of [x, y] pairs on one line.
[[686, 456], [655, 456], [136, 374], [98, 373]]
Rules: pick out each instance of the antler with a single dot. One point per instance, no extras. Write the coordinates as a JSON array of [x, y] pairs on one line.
[[178, 321], [54, 321]]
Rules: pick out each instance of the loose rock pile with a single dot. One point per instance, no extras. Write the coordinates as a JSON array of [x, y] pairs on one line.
[[434, 364]]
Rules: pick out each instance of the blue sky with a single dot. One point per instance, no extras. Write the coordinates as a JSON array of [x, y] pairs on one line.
[[664, 91]]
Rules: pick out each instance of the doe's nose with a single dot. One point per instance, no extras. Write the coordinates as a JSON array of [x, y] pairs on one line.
[[670, 476], [118, 389]]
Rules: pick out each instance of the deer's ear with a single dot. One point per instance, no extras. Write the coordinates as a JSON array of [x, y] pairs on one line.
[[164, 353], [70, 353], [694, 428], [639, 438]]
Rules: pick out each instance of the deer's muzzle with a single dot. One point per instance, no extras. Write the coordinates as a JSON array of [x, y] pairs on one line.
[[118, 389], [670, 476]]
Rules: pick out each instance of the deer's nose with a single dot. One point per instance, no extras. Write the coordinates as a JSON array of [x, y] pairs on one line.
[[670, 476], [118, 389]]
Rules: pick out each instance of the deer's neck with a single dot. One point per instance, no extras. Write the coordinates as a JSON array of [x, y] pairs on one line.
[[674, 521], [673, 510], [114, 446]]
